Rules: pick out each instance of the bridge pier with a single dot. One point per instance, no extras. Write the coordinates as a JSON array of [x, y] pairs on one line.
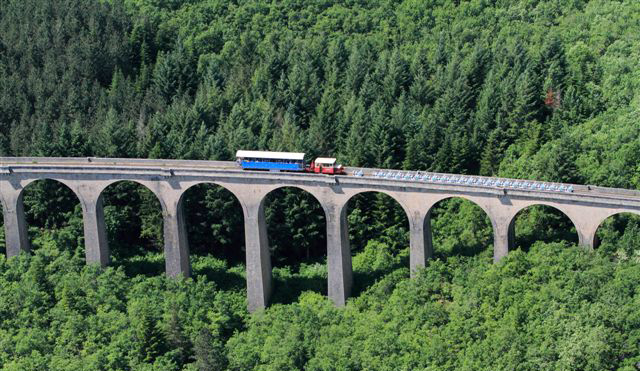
[[340, 273], [586, 227], [176, 244], [15, 224], [420, 239], [504, 237], [587, 239], [95, 235], [258, 258]]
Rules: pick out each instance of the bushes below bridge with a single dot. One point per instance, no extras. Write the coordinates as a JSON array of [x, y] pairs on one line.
[[556, 307]]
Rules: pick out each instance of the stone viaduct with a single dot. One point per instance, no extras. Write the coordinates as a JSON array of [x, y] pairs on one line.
[[586, 206]]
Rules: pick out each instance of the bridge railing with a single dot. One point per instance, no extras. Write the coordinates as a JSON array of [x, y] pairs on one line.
[[470, 180], [8, 161]]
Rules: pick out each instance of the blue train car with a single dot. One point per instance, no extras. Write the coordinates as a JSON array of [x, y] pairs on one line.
[[273, 161]]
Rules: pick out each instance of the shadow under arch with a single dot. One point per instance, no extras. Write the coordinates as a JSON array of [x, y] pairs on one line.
[[459, 226], [215, 231], [134, 227], [296, 230], [379, 237], [51, 206], [541, 222], [618, 235]]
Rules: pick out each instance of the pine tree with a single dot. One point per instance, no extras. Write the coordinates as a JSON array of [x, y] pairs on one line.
[[397, 78], [337, 59], [303, 90], [287, 138], [209, 352], [115, 139], [403, 126], [174, 74], [358, 66], [420, 147], [354, 151], [321, 136], [149, 341], [267, 129], [380, 141], [491, 155], [71, 141], [525, 106], [176, 340], [43, 145], [237, 127], [5, 149], [63, 141]]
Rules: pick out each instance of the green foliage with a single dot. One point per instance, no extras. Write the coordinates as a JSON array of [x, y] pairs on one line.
[[459, 227], [296, 226], [542, 90], [619, 237], [523, 89], [133, 218], [544, 310], [59, 313], [543, 223], [215, 222]]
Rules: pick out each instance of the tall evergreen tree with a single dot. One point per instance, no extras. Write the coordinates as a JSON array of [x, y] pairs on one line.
[[322, 133], [354, 150]]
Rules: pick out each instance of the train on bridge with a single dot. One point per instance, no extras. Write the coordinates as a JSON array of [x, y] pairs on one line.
[[287, 161]]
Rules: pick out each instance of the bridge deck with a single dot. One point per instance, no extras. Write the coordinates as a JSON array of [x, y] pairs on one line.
[[34, 164]]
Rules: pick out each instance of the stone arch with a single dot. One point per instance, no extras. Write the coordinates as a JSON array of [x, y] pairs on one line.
[[377, 251], [146, 185], [612, 227], [193, 195], [477, 202], [398, 200], [482, 230], [71, 185], [50, 187], [394, 195], [126, 247], [298, 253], [560, 212]]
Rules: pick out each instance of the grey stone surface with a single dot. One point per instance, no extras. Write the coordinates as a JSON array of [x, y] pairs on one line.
[[340, 275], [15, 225], [257, 252], [586, 206], [95, 235]]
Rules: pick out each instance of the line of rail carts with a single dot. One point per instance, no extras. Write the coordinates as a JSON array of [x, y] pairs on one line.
[[286, 161]]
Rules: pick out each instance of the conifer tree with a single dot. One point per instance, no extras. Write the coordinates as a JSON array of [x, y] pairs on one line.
[[380, 139], [115, 139], [397, 77], [209, 352], [303, 91], [288, 137], [42, 139], [148, 337], [176, 340], [358, 66], [354, 151], [322, 133]]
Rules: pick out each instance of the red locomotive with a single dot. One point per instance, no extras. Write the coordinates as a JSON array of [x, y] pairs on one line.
[[325, 165]]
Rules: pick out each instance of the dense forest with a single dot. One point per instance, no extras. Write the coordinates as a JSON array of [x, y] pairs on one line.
[[535, 89]]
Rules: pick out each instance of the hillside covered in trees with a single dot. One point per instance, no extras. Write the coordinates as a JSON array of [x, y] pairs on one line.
[[536, 89]]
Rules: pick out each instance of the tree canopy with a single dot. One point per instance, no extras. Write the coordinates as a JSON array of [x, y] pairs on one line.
[[535, 89]]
